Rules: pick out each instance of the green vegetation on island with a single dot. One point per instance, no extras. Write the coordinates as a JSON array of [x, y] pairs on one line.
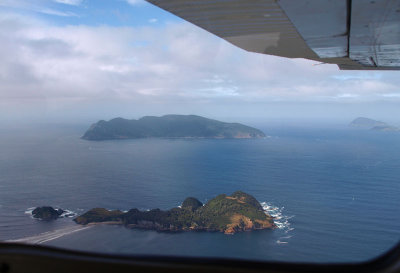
[[169, 126], [229, 214]]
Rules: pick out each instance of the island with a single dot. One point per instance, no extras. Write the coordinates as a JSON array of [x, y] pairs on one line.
[[366, 123], [228, 214], [47, 213], [169, 126], [375, 125]]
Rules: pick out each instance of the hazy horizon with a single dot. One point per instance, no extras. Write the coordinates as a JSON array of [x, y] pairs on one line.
[[82, 61]]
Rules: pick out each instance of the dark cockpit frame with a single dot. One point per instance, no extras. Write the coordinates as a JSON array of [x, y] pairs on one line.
[[34, 258]]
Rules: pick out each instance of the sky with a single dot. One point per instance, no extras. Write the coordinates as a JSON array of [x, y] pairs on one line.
[[85, 60]]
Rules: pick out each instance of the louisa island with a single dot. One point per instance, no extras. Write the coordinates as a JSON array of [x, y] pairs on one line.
[[229, 214]]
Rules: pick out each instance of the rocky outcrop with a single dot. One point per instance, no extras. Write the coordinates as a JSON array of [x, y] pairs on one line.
[[47, 213]]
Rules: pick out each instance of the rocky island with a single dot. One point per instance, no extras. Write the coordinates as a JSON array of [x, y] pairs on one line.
[[229, 214], [367, 123], [47, 213], [169, 126]]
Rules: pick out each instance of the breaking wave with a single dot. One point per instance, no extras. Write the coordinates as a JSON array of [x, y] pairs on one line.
[[29, 211], [68, 214], [281, 220]]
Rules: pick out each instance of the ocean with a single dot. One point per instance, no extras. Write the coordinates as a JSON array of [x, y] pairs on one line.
[[335, 191]]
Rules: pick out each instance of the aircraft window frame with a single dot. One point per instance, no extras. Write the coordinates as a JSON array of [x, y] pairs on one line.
[[16, 257]]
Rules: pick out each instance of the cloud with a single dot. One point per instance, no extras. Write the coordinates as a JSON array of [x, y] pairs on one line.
[[153, 20], [56, 12], [135, 2], [69, 2], [164, 65], [37, 7]]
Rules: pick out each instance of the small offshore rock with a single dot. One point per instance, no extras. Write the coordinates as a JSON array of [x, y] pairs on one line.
[[47, 213]]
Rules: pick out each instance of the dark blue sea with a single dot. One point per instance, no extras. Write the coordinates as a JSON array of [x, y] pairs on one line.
[[335, 191]]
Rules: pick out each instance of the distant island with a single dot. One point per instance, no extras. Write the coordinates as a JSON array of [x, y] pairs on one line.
[[367, 123], [229, 214], [169, 126]]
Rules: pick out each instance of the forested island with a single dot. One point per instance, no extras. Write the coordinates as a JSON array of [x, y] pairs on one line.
[[229, 214], [169, 126]]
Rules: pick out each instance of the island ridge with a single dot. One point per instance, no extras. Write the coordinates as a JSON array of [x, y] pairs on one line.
[[169, 126], [375, 125]]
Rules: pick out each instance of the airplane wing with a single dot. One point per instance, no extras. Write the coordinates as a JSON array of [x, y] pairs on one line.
[[354, 34]]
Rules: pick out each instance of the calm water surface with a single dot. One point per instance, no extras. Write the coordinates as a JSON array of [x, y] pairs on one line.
[[335, 192]]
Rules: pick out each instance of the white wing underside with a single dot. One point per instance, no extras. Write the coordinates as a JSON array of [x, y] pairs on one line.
[[354, 34]]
